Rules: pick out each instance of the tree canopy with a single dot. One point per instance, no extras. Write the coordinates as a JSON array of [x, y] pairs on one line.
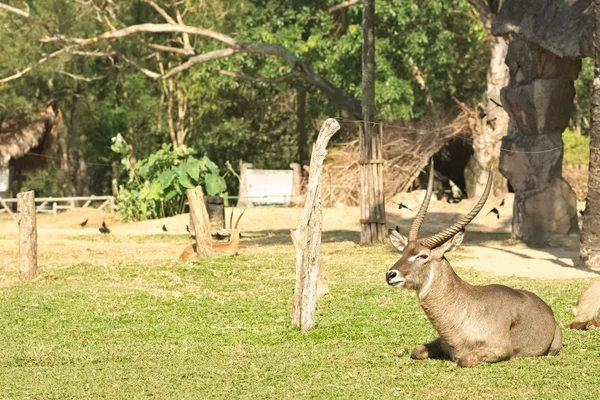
[[240, 103]]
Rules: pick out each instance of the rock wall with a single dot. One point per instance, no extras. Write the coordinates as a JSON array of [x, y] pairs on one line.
[[538, 100]]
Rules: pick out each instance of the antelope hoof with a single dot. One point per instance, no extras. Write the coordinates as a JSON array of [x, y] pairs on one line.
[[420, 353]]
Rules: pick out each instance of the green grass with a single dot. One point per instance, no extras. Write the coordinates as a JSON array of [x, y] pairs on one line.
[[219, 329], [577, 148]]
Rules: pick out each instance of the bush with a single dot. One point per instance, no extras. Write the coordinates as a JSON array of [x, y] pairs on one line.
[[577, 148], [156, 186]]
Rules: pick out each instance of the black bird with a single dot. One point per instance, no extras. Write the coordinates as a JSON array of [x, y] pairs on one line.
[[164, 228], [495, 211], [104, 230], [496, 103], [502, 203], [84, 223], [582, 212], [401, 206]]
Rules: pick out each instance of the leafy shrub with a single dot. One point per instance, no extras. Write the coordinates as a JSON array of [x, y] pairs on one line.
[[156, 185], [577, 148]]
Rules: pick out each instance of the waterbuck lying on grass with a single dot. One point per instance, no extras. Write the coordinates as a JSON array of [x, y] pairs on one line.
[[475, 323], [586, 314]]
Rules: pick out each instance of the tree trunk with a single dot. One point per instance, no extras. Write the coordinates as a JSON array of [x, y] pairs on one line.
[[490, 129], [301, 125], [72, 162], [590, 236], [372, 203]]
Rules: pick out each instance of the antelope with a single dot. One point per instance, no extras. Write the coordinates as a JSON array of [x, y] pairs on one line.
[[586, 314], [227, 249], [475, 323]]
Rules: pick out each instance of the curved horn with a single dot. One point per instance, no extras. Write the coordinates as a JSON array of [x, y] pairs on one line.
[[230, 219], [240, 217], [414, 228], [443, 236]]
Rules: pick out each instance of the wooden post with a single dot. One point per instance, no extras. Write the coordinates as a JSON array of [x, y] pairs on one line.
[[372, 202], [199, 222], [243, 201], [296, 180], [27, 235], [307, 240], [216, 212]]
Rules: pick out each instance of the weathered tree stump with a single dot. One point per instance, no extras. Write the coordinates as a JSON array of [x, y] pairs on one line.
[[216, 212], [199, 223], [27, 235], [307, 240]]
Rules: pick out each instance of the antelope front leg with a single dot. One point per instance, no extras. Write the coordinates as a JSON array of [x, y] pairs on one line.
[[488, 355], [428, 350]]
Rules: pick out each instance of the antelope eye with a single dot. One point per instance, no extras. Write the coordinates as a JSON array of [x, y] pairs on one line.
[[423, 256]]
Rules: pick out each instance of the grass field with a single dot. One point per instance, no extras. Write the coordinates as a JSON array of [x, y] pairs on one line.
[[107, 325]]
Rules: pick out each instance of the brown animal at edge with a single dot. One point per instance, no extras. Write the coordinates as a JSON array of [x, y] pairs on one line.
[[586, 314], [475, 323], [227, 249]]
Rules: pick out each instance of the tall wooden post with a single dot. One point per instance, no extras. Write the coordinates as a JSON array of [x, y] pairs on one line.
[[27, 235], [307, 236], [199, 222], [243, 200], [372, 202]]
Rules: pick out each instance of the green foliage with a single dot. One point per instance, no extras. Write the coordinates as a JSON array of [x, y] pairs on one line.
[[441, 43], [156, 185], [577, 148]]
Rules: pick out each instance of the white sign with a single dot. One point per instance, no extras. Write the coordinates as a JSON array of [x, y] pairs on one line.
[[4, 179], [270, 186]]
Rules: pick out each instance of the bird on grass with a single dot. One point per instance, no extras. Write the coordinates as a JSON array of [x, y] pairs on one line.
[[83, 224], [401, 206], [495, 211], [104, 229], [164, 228]]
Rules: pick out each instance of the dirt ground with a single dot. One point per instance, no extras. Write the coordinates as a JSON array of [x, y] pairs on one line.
[[488, 247]]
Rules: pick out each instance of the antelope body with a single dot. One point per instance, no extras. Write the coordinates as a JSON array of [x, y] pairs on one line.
[[226, 249], [475, 323], [586, 314]]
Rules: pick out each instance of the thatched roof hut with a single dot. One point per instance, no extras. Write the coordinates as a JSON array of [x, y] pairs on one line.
[[26, 136]]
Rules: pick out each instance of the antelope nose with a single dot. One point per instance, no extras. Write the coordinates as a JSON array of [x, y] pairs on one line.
[[391, 275]]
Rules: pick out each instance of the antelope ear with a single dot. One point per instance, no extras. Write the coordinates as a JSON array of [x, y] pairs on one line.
[[397, 240], [453, 243]]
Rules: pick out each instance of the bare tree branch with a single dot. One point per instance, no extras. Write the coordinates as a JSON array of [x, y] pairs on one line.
[[166, 49], [199, 59], [234, 47], [14, 10], [343, 5], [161, 11], [40, 61], [80, 77], [278, 79]]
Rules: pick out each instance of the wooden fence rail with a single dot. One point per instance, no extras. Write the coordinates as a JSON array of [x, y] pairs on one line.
[[54, 204]]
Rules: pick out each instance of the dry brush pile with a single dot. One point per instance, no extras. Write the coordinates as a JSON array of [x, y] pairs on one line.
[[407, 148]]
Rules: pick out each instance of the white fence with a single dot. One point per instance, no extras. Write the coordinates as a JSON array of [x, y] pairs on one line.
[[52, 205]]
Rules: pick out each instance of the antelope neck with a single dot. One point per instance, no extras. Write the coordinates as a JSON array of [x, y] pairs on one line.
[[443, 296]]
